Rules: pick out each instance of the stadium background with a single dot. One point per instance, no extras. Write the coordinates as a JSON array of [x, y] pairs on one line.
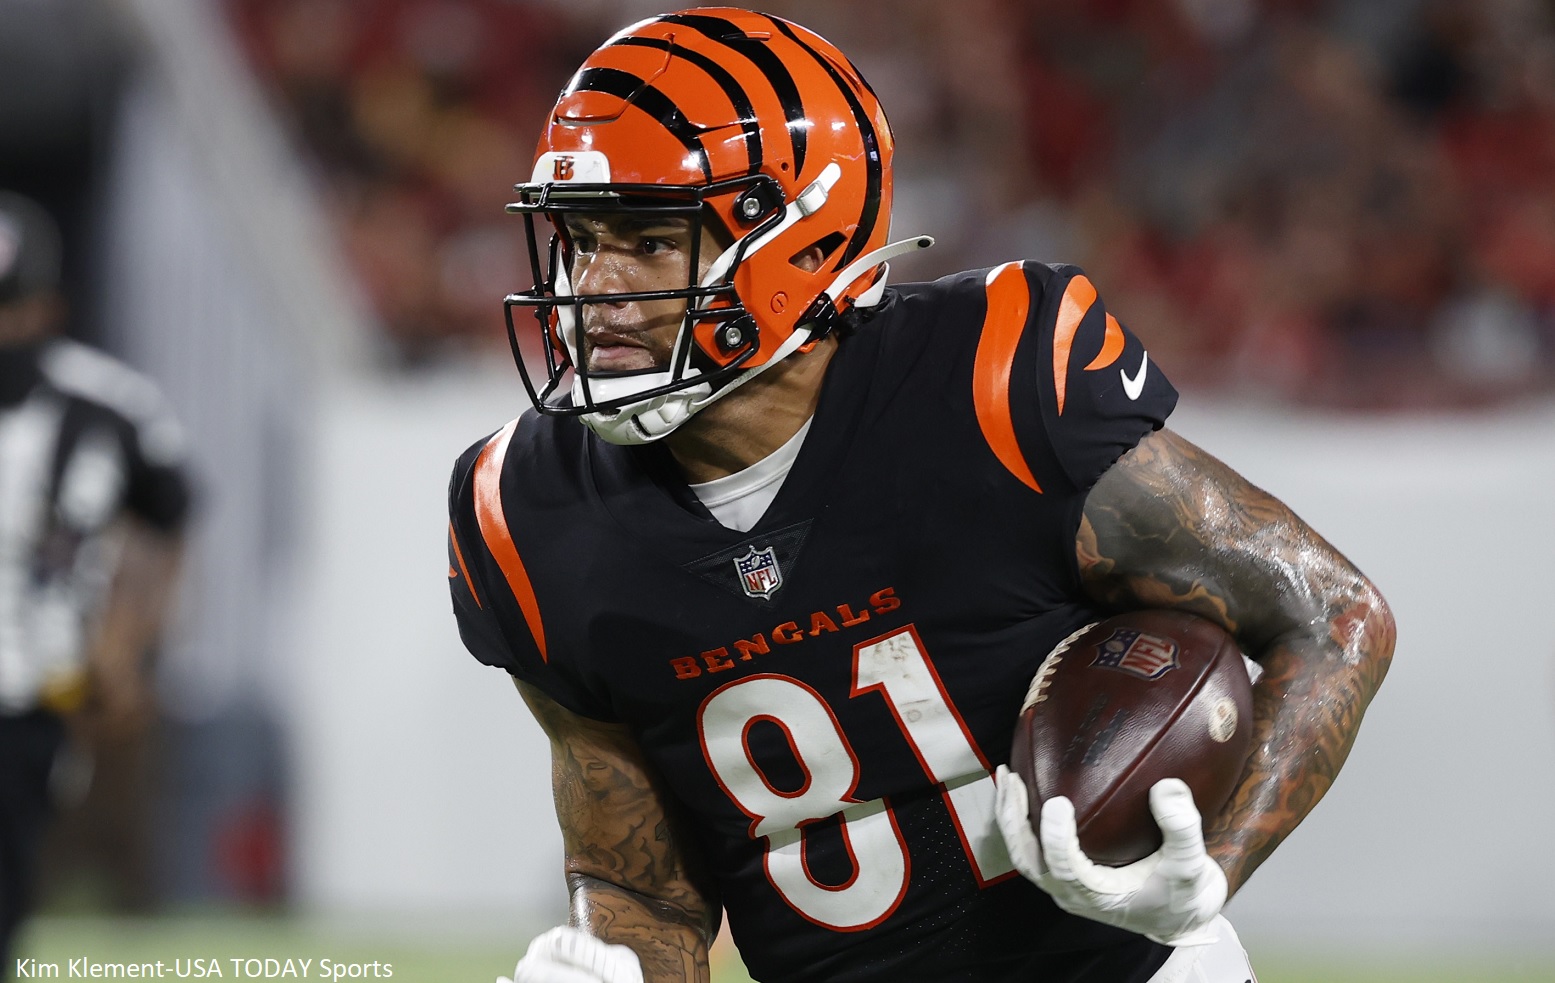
[[1332, 220]]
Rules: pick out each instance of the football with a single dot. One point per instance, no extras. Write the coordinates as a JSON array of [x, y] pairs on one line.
[[1124, 703]]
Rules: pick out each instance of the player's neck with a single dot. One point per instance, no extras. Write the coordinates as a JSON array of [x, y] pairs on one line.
[[753, 421]]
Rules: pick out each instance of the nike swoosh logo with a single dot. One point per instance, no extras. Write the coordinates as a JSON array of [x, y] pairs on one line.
[[1133, 387]]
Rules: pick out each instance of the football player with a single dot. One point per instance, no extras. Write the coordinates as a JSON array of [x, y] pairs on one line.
[[779, 548]]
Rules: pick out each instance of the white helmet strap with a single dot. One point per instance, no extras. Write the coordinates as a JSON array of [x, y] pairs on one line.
[[805, 204], [874, 257]]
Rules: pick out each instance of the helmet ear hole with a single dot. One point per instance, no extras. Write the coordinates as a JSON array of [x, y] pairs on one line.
[[815, 255]]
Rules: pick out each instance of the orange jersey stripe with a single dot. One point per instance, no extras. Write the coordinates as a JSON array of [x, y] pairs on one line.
[[463, 570], [1009, 300], [495, 531], [1111, 346], [1078, 298]]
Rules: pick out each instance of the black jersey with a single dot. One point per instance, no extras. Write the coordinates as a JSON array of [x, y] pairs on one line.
[[828, 693]]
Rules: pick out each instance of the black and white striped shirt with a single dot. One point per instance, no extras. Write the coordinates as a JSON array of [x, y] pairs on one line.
[[83, 440]]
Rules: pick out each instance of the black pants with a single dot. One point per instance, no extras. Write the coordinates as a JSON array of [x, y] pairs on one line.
[[28, 745]]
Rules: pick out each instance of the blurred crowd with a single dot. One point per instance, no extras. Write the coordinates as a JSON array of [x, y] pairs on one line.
[[1317, 201]]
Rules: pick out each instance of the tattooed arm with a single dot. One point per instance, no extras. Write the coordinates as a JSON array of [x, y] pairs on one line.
[[1169, 526], [630, 873]]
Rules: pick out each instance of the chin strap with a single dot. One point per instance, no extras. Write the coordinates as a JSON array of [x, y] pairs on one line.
[[645, 422]]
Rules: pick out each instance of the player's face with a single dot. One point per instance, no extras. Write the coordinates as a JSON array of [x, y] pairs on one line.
[[628, 254]]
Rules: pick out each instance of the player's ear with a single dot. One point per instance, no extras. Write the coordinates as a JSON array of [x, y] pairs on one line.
[[810, 259]]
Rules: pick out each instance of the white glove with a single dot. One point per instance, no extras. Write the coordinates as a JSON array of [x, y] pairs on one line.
[[570, 955], [1170, 896]]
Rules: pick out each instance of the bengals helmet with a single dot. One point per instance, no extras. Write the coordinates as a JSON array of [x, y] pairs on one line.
[[721, 116]]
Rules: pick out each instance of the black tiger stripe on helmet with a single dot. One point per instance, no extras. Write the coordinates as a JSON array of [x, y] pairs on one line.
[[871, 209], [638, 92], [730, 36], [725, 81]]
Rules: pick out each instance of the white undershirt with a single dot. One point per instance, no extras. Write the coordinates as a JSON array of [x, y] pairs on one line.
[[739, 500]]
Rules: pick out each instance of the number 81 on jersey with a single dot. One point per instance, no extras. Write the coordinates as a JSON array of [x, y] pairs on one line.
[[896, 667]]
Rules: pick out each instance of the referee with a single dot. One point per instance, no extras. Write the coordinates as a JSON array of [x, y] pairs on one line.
[[93, 501]]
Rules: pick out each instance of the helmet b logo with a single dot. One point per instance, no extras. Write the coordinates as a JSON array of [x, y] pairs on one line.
[[561, 168]]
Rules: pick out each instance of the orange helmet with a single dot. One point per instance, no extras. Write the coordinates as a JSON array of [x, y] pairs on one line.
[[714, 114]]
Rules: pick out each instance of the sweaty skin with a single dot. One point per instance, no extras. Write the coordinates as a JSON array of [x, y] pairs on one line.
[[629, 254], [1169, 526]]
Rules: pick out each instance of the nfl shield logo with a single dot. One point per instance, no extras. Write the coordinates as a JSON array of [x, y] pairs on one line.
[[759, 573], [1146, 656]]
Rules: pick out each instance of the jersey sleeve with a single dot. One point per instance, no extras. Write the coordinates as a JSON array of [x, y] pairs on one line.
[[478, 629], [1094, 392], [498, 627], [158, 486]]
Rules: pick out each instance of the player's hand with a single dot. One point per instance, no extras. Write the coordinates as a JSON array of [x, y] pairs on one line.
[[1169, 896], [569, 955]]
